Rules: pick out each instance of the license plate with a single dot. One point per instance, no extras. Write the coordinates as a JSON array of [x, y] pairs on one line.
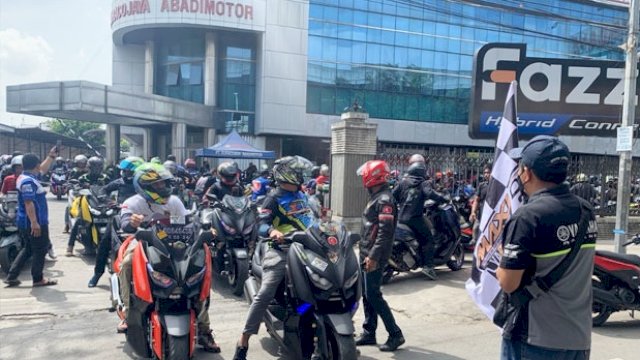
[[100, 221]]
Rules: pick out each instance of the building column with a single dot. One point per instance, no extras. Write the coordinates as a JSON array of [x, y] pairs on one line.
[[353, 142], [179, 141], [147, 143], [148, 66], [210, 69], [112, 143]]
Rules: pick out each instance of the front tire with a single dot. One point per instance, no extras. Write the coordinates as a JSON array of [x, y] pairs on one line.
[[342, 347], [238, 275], [457, 258], [177, 348], [7, 255], [599, 312]]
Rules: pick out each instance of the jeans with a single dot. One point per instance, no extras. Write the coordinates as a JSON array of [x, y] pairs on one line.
[[375, 305], [35, 247], [273, 271], [103, 254], [518, 350], [423, 235]]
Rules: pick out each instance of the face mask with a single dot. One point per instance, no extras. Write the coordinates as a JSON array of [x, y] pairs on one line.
[[523, 194]]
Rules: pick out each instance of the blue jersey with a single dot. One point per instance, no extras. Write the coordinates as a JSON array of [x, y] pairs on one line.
[[30, 189], [259, 187]]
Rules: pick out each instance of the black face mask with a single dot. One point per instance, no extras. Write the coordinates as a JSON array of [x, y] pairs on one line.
[[523, 195]]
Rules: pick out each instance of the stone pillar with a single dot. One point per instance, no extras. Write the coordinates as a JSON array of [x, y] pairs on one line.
[[147, 143], [148, 66], [210, 69], [179, 141], [353, 142], [112, 143]]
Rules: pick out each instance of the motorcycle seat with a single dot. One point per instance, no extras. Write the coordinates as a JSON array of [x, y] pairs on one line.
[[628, 258]]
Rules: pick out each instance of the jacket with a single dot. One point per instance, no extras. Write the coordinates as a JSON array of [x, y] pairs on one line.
[[410, 194], [379, 224]]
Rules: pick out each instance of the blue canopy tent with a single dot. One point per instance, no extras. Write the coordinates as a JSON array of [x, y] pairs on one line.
[[234, 147]]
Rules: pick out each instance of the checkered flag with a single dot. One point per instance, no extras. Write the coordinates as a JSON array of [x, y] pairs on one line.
[[503, 198]]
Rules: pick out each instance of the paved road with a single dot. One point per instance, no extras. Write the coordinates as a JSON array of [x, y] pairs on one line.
[[71, 321]]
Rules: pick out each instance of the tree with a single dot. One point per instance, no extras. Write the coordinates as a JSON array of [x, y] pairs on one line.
[[90, 132]]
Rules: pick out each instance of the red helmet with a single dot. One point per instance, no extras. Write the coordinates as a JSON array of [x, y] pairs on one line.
[[374, 172]]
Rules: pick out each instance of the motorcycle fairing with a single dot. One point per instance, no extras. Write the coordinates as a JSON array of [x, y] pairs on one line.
[[10, 240], [156, 334], [342, 323], [121, 251], [141, 282], [192, 332], [626, 272], [206, 282]]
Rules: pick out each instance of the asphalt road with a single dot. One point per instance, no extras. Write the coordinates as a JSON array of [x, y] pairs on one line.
[[439, 321]]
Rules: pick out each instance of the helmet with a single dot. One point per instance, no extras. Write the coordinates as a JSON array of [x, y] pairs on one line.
[[153, 183], [16, 160], [170, 166], [374, 172], [228, 172], [324, 170], [59, 160], [439, 175], [189, 163], [289, 169], [416, 158], [96, 165], [417, 169], [264, 170], [581, 177], [315, 171], [6, 159], [155, 160], [129, 165], [171, 157], [80, 161]]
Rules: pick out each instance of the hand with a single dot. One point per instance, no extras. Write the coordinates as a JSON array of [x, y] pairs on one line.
[[36, 231], [370, 264], [214, 232], [54, 152], [473, 216], [277, 236], [136, 220]]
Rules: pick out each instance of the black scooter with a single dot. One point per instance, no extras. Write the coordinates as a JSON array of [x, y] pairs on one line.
[[445, 230], [312, 314], [10, 241]]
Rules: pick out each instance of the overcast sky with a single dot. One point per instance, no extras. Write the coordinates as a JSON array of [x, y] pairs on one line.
[[52, 40]]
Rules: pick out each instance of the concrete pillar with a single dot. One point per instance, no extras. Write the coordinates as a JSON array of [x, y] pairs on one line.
[[148, 66], [210, 69], [353, 142], [179, 141], [112, 143], [147, 143], [209, 137]]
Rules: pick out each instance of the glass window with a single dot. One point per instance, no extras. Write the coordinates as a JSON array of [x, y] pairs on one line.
[[315, 47], [359, 52], [172, 74], [196, 74], [373, 54], [344, 51]]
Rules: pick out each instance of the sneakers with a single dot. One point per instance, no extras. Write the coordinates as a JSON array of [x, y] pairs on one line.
[[430, 273], [52, 253], [94, 280], [205, 339], [69, 251], [366, 339], [241, 353], [393, 342]]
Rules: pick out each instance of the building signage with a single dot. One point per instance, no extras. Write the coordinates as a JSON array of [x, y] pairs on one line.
[[555, 96], [208, 7]]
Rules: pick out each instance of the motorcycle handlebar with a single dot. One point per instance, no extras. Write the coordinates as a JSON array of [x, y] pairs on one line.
[[634, 240]]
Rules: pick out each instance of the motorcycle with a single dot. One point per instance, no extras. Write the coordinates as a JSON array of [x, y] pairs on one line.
[[234, 220], [171, 272], [59, 185], [313, 309], [463, 206], [616, 283], [406, 254], [10, 241], [97, 214]]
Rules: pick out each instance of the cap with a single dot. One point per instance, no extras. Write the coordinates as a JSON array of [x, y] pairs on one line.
[[546, 156]]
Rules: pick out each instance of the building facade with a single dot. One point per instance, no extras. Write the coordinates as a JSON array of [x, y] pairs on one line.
[[281, 71]]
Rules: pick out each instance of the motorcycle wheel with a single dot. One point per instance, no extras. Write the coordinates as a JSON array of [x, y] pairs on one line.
[[341, 347], [7, 255], [238, 275], [457, 260], [386, 277], [177, 347], [599, 312]]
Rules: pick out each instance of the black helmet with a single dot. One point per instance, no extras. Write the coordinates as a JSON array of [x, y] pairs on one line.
[[80, 161], [417, 169], [228, 172], [315, 171], [289, 170], [96, 165]]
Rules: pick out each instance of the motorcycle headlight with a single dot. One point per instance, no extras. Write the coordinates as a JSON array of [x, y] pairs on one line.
[[228, 229], [159, 278], [195, 278], [94, 211], [318, 280], [109, 212], [352, 280]]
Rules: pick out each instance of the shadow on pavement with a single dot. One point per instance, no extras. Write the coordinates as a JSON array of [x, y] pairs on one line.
[[415, 353], [627, 329]]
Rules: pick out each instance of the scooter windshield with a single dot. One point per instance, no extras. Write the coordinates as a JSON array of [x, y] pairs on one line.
[[238, 203]]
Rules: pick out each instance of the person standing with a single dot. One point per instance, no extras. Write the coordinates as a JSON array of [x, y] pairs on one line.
[[478, 202], [553, 225], [32, 220], [584, 189], [379, 220]]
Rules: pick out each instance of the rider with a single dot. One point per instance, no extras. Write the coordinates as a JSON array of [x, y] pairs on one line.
[[260, 186], [9, 183], [310, 186], [229, 181], [410, 195], [284, 210], [59, 164], [94, 177], [153, 195], [191, 168], [79, 169]]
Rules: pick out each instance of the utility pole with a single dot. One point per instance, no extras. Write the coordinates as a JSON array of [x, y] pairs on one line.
[[628, 119]]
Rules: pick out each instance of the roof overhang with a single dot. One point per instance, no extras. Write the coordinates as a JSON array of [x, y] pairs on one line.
[[89, 101]]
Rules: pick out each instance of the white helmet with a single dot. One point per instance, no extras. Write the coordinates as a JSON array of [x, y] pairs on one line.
[[16, 160]]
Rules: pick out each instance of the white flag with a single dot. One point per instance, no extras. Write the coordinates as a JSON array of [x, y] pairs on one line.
[[503, 198]]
